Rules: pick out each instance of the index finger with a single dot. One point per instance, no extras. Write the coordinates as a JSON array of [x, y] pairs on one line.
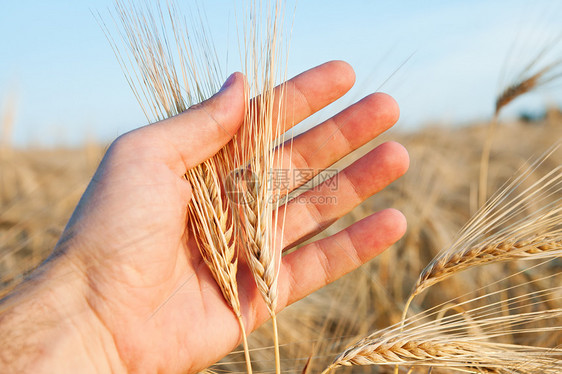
[[308, 92]]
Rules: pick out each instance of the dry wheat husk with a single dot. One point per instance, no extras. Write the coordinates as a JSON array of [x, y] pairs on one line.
[[468, 339], [170, 68], [514, 225]]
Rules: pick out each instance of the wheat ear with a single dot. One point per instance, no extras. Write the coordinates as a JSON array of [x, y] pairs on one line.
[[513, 225], [526, 82], [165, 86], [256, 152], [213, 223], [539, 247], [468, 339], [504, 230], [453, 354]]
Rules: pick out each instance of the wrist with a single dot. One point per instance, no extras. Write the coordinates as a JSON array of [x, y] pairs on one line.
[[46, 325]]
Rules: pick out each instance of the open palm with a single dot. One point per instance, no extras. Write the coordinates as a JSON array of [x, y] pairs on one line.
[[146, 281]]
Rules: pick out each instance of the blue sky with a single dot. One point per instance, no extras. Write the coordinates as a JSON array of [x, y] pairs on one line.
[[59, 69]]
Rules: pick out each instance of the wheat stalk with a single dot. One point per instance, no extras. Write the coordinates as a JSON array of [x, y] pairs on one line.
[[525, 83], [442, 268], [514, 225], [257, 153], [216, 238], [166, 87], [524, 235], [460, 355], [215, 221], [507, 228], [467, 340]]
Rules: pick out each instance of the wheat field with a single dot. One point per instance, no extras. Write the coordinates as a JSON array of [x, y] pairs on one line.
[[438, 195], [474, 286]]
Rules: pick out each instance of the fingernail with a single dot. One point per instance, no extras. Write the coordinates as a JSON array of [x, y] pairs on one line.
[[228, 82]]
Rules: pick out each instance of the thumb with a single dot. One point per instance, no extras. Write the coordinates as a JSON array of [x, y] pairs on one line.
[[186, 140]]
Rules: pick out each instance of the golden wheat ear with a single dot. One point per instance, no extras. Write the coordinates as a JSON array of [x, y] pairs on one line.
[[171, 67], [463, 338], [255, 153], [530, 79], [523, 221], [517, 223]]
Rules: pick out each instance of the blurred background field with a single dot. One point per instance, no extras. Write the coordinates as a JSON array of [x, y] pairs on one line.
[[62, 100], [444, 61], [40, 187]]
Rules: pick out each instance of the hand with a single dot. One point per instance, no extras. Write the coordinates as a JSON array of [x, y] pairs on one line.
[[135, 291]]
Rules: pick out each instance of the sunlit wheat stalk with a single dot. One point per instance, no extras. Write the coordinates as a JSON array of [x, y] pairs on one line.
[[466, 340], [169, 69], [517, 223], [525, 83], [513, 225], [258, 151]]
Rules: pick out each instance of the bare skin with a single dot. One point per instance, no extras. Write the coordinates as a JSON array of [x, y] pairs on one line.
[[126, 289]]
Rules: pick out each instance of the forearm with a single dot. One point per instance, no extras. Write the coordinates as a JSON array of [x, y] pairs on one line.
[[46, 326]]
